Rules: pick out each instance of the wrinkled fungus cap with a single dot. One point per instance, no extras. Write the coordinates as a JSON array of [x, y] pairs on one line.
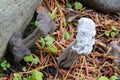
[[85, 36], [87, 25]]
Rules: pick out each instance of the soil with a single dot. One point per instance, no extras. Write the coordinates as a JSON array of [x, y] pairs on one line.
[[90, 67]]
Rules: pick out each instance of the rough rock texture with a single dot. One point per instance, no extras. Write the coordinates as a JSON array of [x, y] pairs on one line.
[[103, 5], [14, 15]]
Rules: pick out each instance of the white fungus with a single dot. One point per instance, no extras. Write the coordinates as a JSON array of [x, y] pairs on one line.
[[85, 38]]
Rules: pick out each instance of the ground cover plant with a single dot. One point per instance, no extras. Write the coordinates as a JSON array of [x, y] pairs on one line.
[[99, 65]]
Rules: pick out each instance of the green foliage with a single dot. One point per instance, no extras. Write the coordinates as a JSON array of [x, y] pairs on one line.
[[35, 60], [107, 33], [103, 78], [53, 15], [4, 64], [35, 23], [114, 28], [113, 78], [25, 79], [36, 75], [49, 40], [68, 5], [65, 24], [47, 43], [2, 75], [76, 24], [28, 58], [24, 69], [78, 5], [112, 33], [116, 68], [69, 20], [66, 36], [53, 49], [17, 77], [42, 41], [83, 12]]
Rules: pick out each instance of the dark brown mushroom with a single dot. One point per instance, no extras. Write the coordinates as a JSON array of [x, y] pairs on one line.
[[17, 48], [68, 57], [20, 48], [46, 26]]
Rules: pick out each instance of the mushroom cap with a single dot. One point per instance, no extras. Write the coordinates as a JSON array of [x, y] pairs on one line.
[[46, 24], [85, 36], [86, 25]]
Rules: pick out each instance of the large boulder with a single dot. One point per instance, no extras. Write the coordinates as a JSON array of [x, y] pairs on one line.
[[103, 5], [14, 15]]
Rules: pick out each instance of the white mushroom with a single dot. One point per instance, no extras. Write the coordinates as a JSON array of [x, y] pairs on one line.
[[85, 36], [82, 45]]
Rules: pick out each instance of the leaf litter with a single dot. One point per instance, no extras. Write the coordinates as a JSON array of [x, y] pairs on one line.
[[98, 63]]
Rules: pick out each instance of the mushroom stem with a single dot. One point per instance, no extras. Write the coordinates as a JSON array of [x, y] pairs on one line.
[[68, 57], [30, 39], [83, 44], [46, 26], [17, 48]]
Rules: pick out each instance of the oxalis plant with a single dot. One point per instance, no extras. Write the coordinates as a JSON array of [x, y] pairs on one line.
[[48, 44], [34, 75], [112, 33], [4, 65], [30, 58]]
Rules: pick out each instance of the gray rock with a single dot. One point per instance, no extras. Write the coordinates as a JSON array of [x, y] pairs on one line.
[[103, 5], [14, 15]]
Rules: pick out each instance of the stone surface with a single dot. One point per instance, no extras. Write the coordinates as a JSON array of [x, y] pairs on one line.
[[14, 15], [103, 5]]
